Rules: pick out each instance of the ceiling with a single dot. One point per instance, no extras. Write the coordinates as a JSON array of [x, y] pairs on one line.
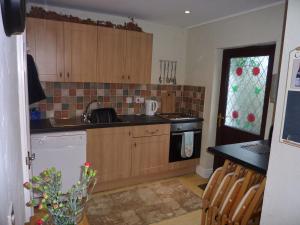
[[170, 12]]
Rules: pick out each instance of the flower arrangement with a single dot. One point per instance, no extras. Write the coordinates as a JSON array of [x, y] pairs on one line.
[[62, 208]]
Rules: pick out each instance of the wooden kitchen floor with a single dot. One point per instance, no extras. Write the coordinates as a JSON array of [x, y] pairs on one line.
[[191, 182]]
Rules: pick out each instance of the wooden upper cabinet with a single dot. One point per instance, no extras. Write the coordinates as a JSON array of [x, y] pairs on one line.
[[124, 56], [31, 27], [45, 44], [80, 42], [111, 55], [138, 57], [74, 52]]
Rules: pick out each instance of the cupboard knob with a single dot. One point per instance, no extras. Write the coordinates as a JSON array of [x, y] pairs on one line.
[[68, 74], [60, 75], [128, 77]]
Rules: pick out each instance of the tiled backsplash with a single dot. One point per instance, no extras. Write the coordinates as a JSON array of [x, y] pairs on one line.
[[68, 100]]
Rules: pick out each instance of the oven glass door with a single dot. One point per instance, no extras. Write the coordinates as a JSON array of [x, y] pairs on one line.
[[176, 145]]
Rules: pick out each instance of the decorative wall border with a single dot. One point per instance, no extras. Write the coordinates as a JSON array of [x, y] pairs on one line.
[[41, 13]]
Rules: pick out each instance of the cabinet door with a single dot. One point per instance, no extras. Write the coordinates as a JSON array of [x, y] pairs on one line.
[[111, 55], [45, 43], [138, 57], [109, 151], [80, 52], [150, 155]]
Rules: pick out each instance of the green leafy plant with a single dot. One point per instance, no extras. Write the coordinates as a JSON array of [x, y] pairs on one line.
[[62, 208]]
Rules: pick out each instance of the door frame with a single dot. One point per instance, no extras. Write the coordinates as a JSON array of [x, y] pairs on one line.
[[245, 52], [24, 117]]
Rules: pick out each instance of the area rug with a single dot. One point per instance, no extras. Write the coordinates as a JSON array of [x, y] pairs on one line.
[[142, 205]]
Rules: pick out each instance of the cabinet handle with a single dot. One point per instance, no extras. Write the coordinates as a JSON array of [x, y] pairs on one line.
[[128, 77], [60, 75], [152, 132], [129, 133], [68, 74], [123, 77], [134, 144]]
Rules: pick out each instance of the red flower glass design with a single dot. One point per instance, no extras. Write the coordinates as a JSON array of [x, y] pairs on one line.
[[239, 71], [251, 118], [235, 114], [256, 71]]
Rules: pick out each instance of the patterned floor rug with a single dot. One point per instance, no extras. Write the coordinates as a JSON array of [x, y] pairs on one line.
[[143, 205]]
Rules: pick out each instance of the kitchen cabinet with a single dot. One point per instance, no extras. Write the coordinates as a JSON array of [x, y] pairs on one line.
[[45, 43], [109, 151], [63, 51], [73, 52], [150, 155], [111, 55], [80, 45], [138, 57], [151, 130], [124, 56], [134, 154]]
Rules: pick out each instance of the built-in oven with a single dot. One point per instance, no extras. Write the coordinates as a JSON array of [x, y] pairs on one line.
[[177, 137]]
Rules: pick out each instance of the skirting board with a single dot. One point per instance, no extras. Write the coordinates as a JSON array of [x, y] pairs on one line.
[[204, 172]]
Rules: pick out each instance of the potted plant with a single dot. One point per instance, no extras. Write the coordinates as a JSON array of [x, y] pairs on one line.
[[61, 208]]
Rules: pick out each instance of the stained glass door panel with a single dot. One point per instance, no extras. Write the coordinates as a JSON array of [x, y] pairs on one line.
[[246, 93]]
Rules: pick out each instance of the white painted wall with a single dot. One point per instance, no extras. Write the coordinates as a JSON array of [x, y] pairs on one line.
[[11, 173], [282, 201], [168, 42], [204, 59]]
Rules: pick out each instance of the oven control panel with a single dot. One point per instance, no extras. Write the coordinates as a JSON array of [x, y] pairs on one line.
[[188, 126]]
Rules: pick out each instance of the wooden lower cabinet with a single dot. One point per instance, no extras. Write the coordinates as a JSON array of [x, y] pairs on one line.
[[109, 151], [126, 156], [150, 155]]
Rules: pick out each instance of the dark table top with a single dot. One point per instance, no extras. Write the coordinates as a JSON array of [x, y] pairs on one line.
[[253, 155], [45, 125]]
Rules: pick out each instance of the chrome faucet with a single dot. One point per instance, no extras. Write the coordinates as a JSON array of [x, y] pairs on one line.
[[85, 116]]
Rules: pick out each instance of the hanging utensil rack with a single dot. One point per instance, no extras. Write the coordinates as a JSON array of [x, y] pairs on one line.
[[167, 73]]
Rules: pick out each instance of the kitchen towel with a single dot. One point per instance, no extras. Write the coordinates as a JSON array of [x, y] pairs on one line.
[[187, 146], [35, 90]]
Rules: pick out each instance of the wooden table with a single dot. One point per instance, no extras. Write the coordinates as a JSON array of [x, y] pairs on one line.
[[253, 155]]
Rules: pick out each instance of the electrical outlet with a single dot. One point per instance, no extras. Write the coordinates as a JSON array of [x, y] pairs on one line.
[[128, 100], [139, 99], [11, 215]]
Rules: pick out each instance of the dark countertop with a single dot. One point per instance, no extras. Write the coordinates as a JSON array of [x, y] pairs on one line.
[[45, 125], [254, 154]]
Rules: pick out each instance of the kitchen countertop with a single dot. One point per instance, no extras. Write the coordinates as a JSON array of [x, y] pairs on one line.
[[45, 125], [253, 155]]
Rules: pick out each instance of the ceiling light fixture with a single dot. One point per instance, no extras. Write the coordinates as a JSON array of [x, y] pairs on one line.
[[187, 11]]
